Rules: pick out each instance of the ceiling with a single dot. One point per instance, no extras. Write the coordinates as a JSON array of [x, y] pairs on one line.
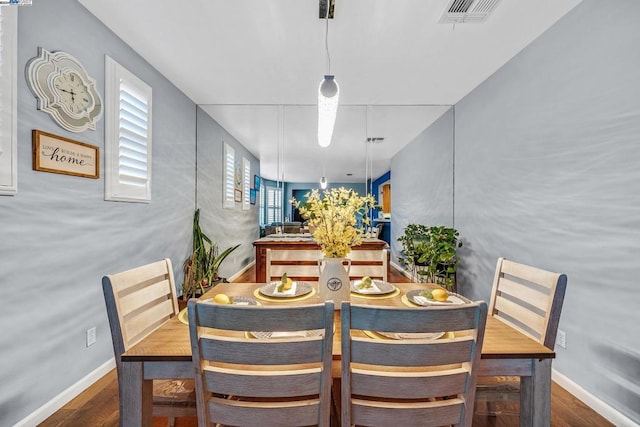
[[255, 67]]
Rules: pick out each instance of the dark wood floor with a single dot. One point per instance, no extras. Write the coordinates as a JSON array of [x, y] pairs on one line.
[[98, 405]]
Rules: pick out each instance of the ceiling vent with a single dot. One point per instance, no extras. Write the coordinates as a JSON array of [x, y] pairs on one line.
[[377, 140], [467, 11]]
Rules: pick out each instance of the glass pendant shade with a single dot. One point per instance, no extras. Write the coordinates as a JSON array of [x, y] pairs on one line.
[[323, 183], [328, 94]]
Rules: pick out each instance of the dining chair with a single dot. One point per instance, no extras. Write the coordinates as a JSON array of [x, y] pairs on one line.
[[138, 302], [273, 363], [303, 264], [528, 299], [298, 264], [410, 366], [369, 262]]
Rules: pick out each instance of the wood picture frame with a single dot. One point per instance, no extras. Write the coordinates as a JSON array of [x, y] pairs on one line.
[[57, 154], [238, 196]]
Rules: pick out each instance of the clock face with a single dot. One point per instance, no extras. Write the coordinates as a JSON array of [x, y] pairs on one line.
[[64, 90], [74, 94]]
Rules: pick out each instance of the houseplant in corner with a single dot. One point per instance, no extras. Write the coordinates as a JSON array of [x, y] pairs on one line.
[[431, 253], [334, 218], [201, 268]]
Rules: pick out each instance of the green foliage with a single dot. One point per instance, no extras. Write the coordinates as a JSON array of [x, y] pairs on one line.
[[431, 252], [202, 266]]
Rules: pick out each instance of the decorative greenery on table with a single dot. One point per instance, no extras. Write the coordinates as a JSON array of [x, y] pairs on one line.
[[334, 216], [430, 253], [201, 268]]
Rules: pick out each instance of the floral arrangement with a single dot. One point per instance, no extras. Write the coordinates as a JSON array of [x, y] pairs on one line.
[[333, 216]]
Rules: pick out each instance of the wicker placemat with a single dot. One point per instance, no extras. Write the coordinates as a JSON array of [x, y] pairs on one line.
[[408, 303], [369, 296], [259, 295]]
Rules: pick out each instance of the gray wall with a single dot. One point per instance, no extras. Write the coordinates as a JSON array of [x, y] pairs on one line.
[[547, 172], [422, 180], [58, 236], [226, 227]]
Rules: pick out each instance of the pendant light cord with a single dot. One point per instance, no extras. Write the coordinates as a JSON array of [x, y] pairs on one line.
[[326, 41]]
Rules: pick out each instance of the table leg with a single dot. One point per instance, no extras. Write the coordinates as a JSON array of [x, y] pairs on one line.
[[136, 396], [535, 395]]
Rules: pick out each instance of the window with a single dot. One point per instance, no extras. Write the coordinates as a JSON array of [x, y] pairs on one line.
[[274, 204], [127, 135], [228, 194], [246, 184], [8, 90], [263, 203]]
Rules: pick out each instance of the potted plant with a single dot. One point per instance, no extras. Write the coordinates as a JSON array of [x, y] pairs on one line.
[[201, 268], [430, 253]]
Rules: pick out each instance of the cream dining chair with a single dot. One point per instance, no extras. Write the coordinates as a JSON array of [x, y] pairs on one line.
[[138, 302], [390, 378], [530, 300], [273, 364]]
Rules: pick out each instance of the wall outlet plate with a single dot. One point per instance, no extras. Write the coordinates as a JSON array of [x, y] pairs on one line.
[[561, 339], [91, 336]]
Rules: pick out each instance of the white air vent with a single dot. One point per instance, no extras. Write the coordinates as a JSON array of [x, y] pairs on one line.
[[467, 11]]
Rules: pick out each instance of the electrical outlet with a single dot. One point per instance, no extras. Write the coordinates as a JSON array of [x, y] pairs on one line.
[[91, 336], [561, 339]]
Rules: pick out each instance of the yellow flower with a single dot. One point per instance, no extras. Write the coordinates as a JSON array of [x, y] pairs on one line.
[[335, 218]]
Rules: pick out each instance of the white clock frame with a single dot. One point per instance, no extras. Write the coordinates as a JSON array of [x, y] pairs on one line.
[[41, 73]]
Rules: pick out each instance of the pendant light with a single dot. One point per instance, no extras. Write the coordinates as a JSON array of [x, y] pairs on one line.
[[328, 94], [323, 180], [323, 183]]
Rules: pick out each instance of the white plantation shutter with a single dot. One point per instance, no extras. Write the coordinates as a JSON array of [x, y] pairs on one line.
[[228, 190], [274, 204], [127, 134], [263, 204], [246, 184], [8, 104]]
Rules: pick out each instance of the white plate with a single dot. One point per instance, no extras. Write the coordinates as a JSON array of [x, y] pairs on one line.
[[415, 336], [416, 297], [380, 288], [271, 290]]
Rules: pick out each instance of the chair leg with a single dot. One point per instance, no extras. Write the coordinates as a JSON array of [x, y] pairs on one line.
[[171, 421]]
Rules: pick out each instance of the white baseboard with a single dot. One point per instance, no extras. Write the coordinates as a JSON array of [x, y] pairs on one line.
[[241, 272], [400, 269], [49, 408], [613, 415]]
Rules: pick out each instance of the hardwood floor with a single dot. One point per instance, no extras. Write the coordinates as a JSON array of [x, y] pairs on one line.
[[98, 405]]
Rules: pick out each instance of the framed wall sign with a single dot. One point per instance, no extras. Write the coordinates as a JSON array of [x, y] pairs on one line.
[[256, 182], [56, 154], [252, 196], [238, 196]]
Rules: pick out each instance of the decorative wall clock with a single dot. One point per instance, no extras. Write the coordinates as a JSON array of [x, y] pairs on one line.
[[64, 90]]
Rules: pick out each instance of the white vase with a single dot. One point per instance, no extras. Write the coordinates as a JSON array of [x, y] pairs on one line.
[[333, 283]]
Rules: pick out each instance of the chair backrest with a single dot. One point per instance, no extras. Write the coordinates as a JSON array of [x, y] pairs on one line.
[[410, 381], [283, 380], [369, 262], [138, 302], [298, 264], [303, 264], [528, 299], [292, 227]]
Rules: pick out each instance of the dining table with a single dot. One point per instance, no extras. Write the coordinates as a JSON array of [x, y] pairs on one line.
[[166, 353]]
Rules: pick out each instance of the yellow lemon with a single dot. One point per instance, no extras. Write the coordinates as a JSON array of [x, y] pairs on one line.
[[440, 294], [222, 299]]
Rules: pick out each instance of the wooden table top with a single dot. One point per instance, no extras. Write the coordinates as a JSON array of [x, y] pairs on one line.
[[171, 341]]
